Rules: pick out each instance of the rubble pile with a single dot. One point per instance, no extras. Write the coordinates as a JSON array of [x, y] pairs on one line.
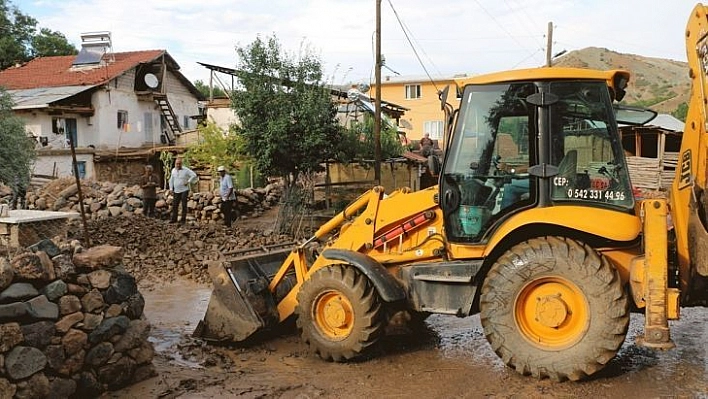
[[71, 324], [108, 199], [159, 251]]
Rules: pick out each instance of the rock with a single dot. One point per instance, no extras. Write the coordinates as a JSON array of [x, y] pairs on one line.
[[12, 311], [47, 246], [93, 301], [10, 336], [55, 356], [63, 266], [100, 279], [99, 256], [109, 328], [115, 310], [91, 321], [69, 304], [48, 273], [77, 289], [69, 191], [134, 306], [61, 388], [122, 288], [144, 372], [23, 361], [99, 354], [55, 290], [142, 354], [7, 273], [114, 210], [68, 321], [37, 387], [18, 292], [7, 390], [73, 341], [87, 385], [73, 363], [40, 308], [28, 266], [38, 334], [118, 374], [134, 336]]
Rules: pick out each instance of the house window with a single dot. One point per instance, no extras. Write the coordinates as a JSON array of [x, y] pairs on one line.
[[435, 129], [122, 119], [412, 91]]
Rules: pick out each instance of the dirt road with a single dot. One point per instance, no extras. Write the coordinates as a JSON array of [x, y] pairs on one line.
[[450, 360]]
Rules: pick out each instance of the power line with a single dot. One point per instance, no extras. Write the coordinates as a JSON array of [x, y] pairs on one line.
[[412, 46], [501, 26]]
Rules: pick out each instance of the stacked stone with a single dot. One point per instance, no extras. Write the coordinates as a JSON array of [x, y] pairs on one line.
[[70, 326], [107, 199]]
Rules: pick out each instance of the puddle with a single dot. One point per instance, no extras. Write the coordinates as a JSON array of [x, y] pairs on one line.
[[174, 310]]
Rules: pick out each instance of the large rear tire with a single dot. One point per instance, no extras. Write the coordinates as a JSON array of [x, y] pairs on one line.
[[553, 307], [340, 314]]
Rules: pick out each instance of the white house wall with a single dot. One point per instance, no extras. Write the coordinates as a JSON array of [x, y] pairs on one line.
[[61, 165]]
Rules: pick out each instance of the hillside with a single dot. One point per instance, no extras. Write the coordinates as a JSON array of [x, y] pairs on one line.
[[656, 83]]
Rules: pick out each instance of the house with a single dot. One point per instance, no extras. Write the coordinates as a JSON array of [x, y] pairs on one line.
[[103, 101], [420, 96]]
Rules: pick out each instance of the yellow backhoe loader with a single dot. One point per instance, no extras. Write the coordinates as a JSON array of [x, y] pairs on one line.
[[533, 225]]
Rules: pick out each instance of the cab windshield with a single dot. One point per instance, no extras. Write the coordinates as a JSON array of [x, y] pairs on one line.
[[498, 136]]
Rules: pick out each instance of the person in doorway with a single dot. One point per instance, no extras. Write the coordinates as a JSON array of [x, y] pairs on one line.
[[426, 145], [180, 180], [228, 195], [149, 182]]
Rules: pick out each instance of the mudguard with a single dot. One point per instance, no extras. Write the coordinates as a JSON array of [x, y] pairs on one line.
[[387, 286]]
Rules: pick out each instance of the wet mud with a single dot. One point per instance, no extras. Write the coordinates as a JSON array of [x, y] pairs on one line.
[[449, 358]]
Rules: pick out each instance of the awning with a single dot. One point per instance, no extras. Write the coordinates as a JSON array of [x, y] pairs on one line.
[[43, 97]]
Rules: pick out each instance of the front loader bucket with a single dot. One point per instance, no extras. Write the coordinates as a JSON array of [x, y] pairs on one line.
[[241, 303]]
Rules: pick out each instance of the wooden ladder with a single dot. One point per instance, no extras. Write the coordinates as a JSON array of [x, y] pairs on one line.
[[169, 115]]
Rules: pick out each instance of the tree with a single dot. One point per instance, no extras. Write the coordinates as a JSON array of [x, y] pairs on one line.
[[204, 89], [680, 112], [358, 142], [17, 149], [20, 41], [287, 116]]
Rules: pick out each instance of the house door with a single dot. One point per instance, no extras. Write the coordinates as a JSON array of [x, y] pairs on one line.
[[71, 130]]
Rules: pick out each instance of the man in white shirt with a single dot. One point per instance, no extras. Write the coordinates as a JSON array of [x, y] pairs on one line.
[[180, 180], [228, 195]]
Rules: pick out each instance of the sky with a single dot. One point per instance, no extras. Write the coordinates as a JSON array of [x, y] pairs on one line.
[[448, 36]]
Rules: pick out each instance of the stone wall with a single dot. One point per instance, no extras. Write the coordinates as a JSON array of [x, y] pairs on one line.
[[71, 324]]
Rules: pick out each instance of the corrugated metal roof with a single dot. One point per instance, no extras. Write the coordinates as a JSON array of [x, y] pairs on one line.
[[667, 122], [41, 97]]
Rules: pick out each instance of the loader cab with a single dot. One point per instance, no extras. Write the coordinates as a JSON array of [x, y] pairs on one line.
[[531, 143]]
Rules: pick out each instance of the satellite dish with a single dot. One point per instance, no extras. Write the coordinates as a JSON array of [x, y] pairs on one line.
[[151, 80], [363, 87]]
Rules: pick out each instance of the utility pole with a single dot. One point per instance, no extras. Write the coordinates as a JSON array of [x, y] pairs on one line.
[[377, 108], [549, 44]]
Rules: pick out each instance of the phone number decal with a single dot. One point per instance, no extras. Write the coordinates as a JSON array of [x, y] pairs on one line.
[[601, 195]]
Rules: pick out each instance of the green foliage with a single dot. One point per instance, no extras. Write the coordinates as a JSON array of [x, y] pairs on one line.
[[204, 89], [20, 41], [681, 112], [215, 147], [17, 150], [358, 142], [287, 117]]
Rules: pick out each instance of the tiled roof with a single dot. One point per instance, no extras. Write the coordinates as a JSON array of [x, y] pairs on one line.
[[57, 71]]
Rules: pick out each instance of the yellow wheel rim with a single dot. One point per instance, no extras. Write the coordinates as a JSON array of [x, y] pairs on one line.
[[334, 315], [552, 313]]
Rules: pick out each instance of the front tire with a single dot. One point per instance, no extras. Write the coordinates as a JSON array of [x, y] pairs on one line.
[[553, 307], [340, 313]]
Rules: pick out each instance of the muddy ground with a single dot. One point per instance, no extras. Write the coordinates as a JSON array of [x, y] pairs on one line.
[[450, 359]]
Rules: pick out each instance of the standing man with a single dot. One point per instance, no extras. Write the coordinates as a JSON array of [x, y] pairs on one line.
[[228, 195], [180, 180], [426, 145], [149, 182]]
